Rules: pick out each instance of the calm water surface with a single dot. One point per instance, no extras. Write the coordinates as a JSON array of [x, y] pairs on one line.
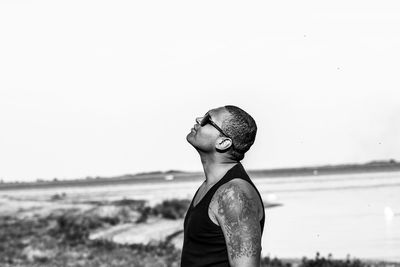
[[342, 214]]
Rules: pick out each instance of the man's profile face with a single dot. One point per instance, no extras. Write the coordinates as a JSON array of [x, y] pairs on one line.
[[204, 137]]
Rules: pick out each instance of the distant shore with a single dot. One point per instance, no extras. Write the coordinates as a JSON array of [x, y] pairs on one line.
[[151, 177], [373, 166]]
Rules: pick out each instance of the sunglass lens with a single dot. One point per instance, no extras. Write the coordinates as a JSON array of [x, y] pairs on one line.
[[205, 120]]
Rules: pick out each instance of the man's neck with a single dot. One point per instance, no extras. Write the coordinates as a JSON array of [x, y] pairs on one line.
[[216, 168]]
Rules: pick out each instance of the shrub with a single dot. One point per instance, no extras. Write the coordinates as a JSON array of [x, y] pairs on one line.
[[274, 262], [57, 197], [132, 203], [144, 215], [329, 262], [75, 228], [172, 209]]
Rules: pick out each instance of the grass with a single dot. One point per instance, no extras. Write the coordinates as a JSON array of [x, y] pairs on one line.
[[62, 240]]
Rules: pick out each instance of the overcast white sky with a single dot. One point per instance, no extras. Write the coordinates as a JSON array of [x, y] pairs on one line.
[[107, 88]]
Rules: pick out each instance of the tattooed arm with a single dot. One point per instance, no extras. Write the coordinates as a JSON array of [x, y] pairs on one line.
[[235, 207]]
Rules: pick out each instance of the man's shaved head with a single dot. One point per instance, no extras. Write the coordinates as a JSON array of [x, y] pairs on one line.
[[242, 128]]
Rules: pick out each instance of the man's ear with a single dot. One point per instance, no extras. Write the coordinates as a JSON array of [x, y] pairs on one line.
[[223, 143]]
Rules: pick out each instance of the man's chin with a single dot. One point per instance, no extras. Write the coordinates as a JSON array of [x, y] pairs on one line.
[[190, 140], [189, 137]]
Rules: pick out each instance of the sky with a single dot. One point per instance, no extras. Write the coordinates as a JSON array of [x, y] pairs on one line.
[[104, 88]]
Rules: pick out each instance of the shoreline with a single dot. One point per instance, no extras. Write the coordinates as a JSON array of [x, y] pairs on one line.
[[167, 177]]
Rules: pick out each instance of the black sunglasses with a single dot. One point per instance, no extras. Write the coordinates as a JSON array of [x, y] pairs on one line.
[[207, 120]]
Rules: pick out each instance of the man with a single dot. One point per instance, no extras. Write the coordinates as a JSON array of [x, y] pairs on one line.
[[225, 221]]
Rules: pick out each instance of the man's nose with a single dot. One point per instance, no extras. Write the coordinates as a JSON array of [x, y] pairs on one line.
[[199, 119]]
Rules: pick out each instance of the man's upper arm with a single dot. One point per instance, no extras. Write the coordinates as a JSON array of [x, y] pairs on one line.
[[237, 214]]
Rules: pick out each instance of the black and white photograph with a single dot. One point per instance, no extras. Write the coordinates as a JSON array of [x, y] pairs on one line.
[[193, 134]]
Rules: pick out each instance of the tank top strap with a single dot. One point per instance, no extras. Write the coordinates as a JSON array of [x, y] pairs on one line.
[[230, 174]]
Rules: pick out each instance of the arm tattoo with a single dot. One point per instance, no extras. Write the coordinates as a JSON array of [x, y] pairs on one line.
[[239, 215]]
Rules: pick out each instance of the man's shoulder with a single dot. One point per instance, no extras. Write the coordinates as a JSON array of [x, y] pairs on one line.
[[236, 188], [235, 195]]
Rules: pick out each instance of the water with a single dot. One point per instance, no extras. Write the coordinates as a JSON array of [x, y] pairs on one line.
[[341, 214], [357, 214]]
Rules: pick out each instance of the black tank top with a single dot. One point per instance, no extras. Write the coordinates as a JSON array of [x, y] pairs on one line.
[[204, 242]]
